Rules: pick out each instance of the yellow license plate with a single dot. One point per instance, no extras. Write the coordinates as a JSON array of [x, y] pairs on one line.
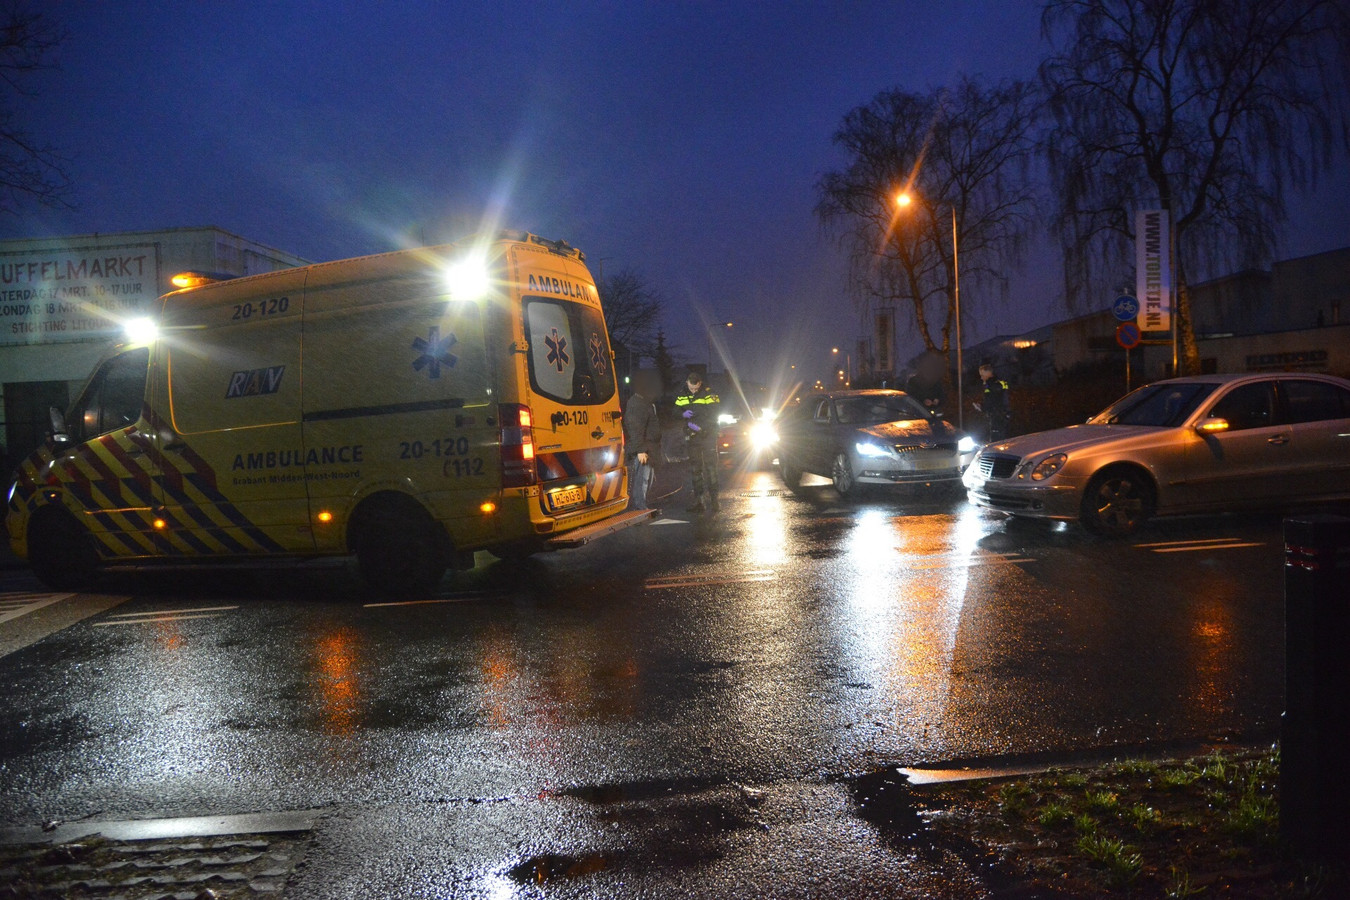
[[568, 496]]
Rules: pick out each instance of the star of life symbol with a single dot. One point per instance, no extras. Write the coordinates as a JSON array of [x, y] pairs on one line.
[[597, 348], [557, 350], [435, 352]]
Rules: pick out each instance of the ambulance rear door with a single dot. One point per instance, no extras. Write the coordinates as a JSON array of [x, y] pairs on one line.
[[578, 434]]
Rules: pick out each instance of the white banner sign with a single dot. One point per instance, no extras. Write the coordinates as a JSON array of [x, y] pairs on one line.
[[1153, 269], [75, 294], [883, 341]]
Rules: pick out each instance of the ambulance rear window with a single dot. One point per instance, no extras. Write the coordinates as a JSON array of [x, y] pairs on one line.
[[569, 352]]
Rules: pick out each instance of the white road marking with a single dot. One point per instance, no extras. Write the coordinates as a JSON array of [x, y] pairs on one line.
[[171, 612], [149, 617], [1198, 544], [674, 581], [957, 561], [456, 598], [12, 606], [159, 619]]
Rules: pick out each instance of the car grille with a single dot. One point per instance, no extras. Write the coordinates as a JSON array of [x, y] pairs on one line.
[[997, 465], [925, 448]]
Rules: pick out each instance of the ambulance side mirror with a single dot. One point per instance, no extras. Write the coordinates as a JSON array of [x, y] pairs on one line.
[[59, 433]]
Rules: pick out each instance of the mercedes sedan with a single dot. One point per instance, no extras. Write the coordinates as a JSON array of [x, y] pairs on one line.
[[1203, 444], [858, 438]]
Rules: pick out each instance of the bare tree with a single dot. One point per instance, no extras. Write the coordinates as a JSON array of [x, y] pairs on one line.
[[962, 156], [632, 311], [1205, 108], [29, 169]]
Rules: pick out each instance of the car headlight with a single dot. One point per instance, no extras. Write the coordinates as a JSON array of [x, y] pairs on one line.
[[966, 445], [762, 434], [1049, 466], [873, 450]]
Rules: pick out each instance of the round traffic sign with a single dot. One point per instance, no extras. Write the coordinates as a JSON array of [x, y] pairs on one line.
[[1127, 335], [1125, 308]]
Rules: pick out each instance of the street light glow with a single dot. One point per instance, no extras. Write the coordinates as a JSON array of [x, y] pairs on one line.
[[903, 199]]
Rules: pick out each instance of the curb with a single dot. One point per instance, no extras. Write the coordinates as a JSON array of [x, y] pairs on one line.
[[160, 829]]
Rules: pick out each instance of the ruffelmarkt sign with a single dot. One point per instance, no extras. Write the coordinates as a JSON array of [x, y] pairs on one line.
[[75, 294]]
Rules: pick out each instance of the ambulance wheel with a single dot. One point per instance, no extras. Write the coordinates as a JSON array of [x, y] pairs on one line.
[[60, 551], [397, 547]]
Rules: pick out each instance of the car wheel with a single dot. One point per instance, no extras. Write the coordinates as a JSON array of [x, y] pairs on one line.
[[1117, 502], [791, 475], [842, 473], [60, 551], [397, 548]]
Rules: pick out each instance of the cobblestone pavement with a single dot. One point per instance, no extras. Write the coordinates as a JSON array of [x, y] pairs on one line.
[[215, 868]]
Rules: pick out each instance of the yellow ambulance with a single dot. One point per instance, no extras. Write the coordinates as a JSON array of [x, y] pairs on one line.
[[408, 408]]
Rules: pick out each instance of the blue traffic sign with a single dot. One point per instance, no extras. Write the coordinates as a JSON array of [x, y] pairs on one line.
[[1125, 308]]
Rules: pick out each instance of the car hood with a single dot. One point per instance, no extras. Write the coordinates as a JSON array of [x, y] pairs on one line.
[[1075, 438], [911, 430]]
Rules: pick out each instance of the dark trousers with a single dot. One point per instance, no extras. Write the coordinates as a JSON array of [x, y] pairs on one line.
[[703, 468]]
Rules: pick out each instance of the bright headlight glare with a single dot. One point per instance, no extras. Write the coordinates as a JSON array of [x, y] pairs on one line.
[[966, 445], [726, 419], [762, 434], [1049, 466], [869, 449], [467, 279], [141, 331]]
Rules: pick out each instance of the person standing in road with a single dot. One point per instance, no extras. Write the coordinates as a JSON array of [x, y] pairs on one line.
[[925, 385], [995, 406], [642, 438], [698, 407]]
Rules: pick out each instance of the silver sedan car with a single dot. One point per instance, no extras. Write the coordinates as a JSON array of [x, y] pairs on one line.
[[1200, 444], [874, 437]]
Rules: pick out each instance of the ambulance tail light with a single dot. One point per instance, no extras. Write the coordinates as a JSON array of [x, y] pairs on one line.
[[518, 468]]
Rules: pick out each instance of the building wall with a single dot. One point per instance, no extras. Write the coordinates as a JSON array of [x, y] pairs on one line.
[[63, 301], [1313, 290]]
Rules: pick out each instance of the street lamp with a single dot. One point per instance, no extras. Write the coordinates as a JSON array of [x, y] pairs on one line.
[[903, 200], [710, 340], [848, 365]]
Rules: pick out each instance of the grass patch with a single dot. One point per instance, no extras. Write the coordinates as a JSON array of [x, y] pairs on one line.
[[1207, 826]]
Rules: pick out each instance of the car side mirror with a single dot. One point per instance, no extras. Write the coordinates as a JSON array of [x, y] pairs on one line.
[[1211, 425]]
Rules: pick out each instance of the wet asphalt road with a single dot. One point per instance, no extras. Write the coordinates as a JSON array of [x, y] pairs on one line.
[[679, 708]]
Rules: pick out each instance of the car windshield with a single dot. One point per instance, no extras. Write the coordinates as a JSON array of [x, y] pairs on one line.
[[1163, 405], [876, 410]]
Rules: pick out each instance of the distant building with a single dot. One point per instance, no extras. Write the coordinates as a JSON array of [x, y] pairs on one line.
[[64, 301], [1294, 317]]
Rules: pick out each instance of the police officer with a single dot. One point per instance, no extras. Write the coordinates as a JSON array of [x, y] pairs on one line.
[[995, 407], [698, 407]]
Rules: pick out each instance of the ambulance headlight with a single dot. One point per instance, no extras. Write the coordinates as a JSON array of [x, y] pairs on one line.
[[141, 331], [468, 279]]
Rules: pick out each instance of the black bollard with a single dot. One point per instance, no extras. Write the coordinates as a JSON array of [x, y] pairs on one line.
[[1315, 728]]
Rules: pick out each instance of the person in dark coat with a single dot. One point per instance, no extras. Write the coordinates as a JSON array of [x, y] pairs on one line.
[[642, 438]]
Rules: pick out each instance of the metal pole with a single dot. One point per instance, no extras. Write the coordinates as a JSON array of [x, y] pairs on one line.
[[956, 297]]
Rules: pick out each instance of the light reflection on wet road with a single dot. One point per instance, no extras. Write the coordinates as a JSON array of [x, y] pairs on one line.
[[790, 637]]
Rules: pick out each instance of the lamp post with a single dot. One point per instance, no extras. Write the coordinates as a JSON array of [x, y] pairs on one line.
[[902, 200], [710, 340]]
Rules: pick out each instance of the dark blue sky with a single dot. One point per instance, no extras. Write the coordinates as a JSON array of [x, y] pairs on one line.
[[682, 140]]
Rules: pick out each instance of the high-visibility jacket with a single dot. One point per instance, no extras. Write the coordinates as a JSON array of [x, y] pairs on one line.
[[704, 404]]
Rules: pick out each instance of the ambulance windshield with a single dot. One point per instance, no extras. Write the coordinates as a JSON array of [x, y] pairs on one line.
[[569, 352]]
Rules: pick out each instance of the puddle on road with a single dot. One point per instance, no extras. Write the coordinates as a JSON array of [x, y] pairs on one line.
[[901, 813], [552, 867], [668, 825]]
